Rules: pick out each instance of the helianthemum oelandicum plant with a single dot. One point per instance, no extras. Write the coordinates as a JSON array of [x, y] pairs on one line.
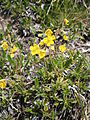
[[48, 41]]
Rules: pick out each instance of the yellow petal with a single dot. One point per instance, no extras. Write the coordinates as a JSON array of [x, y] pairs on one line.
[[31, 48], [12, 55], [52, 37], [65, 37], [12, 50], [37, 49], [45, 40], [34, 45], [15, 48], [5, 46], [48, 32], [62, 48], [50, 42], [41, 54], [33, 52], [66, 21], [2, 84], [42, 43]]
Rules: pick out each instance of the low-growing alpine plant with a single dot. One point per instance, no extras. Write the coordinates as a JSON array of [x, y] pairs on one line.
[[57, 86], [49, 81], [59, 83]]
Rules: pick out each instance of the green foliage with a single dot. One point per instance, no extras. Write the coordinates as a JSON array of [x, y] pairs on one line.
[[51, 88], [52, 91], [56, 87]]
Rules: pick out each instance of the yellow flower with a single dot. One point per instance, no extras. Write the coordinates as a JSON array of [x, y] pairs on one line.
[[52, 47], [12, 55], [66, 21], [65, 37], [2, 84], [5, 46], [41, 54], [62, 48], [49, 40], [13, 49], [48, 32], [34, 49]]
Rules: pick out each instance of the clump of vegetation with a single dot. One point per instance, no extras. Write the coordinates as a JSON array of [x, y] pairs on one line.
[[45, 79], [55, 90]]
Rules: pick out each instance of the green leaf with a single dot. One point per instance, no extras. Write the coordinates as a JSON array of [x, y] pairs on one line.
[[28, 110], [36, 83], [1, 63], [10, 60], [80, 25], [76, 55], [4, 54], [21, 60], [52, 114], [68, 63], [26, 63]]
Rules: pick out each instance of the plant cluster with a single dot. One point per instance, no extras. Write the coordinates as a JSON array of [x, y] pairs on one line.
[[56, 89], [49, 80]]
